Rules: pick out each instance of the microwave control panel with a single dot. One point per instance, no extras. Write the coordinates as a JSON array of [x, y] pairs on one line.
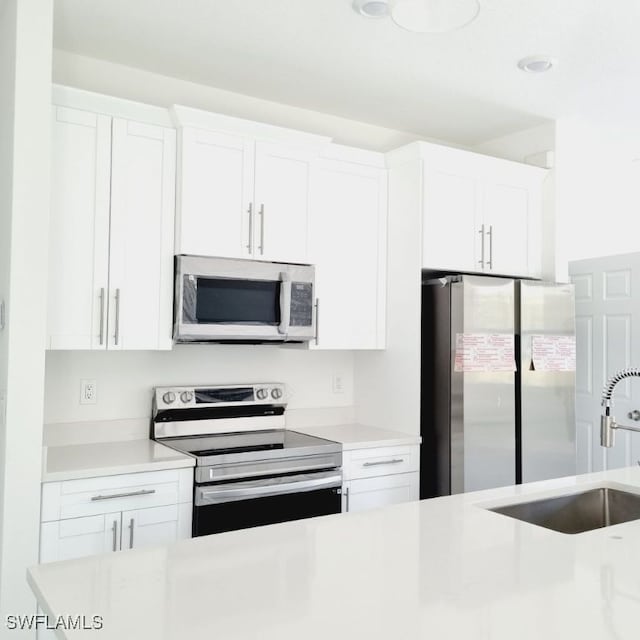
[[301, 314]]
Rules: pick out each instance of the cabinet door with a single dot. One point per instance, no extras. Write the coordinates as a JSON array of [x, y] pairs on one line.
[[79, 230], [155, 526], [348, 246], [511, 213], [451, 214], [141, 251], [370, 493], [79, 537], [215, 191], [282, 183]]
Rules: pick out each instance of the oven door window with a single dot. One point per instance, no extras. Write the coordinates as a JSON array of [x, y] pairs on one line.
[[231, 301], [255, 512]]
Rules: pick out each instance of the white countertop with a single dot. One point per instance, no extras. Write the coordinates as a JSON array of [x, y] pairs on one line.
[[359, 436], [444, 569], [71, 462]]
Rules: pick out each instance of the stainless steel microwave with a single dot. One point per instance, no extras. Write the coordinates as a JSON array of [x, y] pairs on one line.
[[227, 300]]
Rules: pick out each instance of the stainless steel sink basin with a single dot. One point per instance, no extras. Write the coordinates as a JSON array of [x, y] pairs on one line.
[[578, 512]]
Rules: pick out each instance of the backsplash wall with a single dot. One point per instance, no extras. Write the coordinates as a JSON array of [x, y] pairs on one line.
[[124, 380]]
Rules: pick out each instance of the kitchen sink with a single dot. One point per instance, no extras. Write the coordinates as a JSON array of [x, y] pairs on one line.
[[578, 512]]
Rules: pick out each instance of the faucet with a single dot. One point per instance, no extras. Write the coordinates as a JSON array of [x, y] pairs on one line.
[[608, 423]]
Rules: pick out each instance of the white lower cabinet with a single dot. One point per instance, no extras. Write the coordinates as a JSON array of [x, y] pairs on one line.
[[380, 491], [106, 514], [379, 477]]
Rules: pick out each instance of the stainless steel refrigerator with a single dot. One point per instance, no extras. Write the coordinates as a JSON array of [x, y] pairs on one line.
[[493, 412]]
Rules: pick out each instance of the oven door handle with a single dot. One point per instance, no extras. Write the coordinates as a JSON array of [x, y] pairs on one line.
[[260, 488], [285, 303]]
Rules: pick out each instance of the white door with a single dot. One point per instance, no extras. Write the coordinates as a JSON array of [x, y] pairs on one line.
[[214, 195], [380, 491], [141, 252], [153, 526], [348, 246], [79, 230], [607, 340], [281, 201], [451, 202], [79, 537]]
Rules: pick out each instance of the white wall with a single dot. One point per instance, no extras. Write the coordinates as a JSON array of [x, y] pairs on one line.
[[26, 28], [143, 86], [598, 190], [125, 379]]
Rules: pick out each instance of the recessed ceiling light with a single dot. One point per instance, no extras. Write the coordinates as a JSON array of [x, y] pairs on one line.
[[434, 16], [372, 8], [537, 64]]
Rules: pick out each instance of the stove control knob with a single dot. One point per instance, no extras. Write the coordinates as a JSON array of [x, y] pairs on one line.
[[276, 393], [169, 397], [262, 394], [186, 396]]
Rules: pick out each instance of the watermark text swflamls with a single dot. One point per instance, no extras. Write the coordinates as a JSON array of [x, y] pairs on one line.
[[66, 623]]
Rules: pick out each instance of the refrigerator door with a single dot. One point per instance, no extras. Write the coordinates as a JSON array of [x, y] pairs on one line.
[[547, 397], [483, 410]]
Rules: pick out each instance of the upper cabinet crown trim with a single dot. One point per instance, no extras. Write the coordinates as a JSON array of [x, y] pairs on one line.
[[189, 117], [430, 151], [71, 97]]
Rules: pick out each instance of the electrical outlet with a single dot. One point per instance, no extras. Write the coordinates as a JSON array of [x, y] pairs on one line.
[[338, 384], [88, 392]]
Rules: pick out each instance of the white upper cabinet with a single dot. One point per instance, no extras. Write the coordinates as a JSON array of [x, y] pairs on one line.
[[480, 214], [281, 200], [215, 193], [348, 248], [79, 229], [111, 232], [141, 248], [243, 188], [451, 214], [511, 214]]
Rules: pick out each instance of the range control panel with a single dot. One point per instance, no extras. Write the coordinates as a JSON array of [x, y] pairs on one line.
[[216, 396]]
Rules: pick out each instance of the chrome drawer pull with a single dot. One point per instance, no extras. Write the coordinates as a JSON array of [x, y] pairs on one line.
[[376, 464], [131, 528], [143, 492], [114, 529]]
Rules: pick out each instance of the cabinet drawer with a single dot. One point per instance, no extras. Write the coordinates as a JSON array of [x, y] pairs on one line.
[[372, 493], [381, 461], [93, 496]]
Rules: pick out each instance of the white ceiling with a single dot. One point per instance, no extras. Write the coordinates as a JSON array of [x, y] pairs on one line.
[[319, 54]]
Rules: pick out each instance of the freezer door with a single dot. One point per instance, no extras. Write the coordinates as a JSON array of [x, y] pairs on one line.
[[483, 412], [547, 406]]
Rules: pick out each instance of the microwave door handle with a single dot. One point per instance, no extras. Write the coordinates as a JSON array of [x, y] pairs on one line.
[[285, 303]]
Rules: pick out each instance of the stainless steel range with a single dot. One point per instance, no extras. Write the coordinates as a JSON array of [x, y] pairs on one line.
[[250, 470]]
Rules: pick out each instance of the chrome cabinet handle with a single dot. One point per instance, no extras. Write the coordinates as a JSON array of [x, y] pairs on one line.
[[490, 234], [250, 244], [131, 527], [142, 492], [317, 321], [381, 462], [114, 529], [116, 335], [634, 415], [481, 261], [261, 247], [346, 499], [102, 315]]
